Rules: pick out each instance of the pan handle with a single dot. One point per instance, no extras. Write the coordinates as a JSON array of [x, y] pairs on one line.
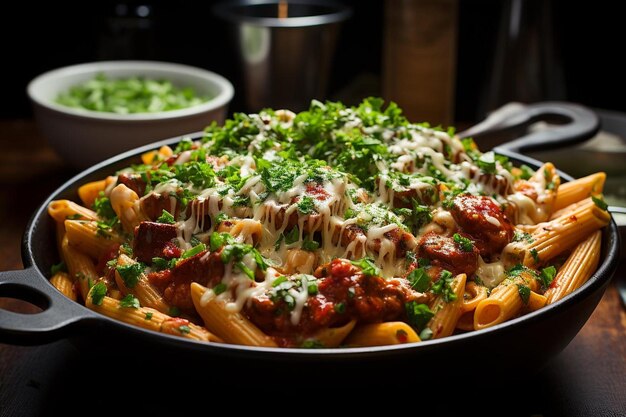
[[570, 124], [58, 316]]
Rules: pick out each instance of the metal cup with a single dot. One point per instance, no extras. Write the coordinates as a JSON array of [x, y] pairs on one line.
[[286, 61]]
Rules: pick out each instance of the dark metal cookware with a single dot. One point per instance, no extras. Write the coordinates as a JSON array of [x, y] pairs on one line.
[[532, 338]]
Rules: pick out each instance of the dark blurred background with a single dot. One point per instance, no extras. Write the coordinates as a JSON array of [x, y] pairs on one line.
[[562, 50]]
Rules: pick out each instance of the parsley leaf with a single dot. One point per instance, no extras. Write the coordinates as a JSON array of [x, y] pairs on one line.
[[129, 301], [419, 279], [466, 245], [166, 218], [418, 314], [310, 245], [306, 205], [60, 267], [367, 266], [98, 292], [220, 288], [193, 251], [130, 273], [443, 286], [535, 255], [524, 292], [599, 201], [547, 276], [102, 206]]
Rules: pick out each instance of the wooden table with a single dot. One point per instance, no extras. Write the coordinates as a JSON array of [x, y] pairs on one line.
[[587, 379]]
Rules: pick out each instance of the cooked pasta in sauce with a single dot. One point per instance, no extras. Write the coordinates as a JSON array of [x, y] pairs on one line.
[[337, 226]]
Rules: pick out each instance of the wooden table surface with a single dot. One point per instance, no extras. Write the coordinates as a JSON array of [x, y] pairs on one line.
[[587, 379]]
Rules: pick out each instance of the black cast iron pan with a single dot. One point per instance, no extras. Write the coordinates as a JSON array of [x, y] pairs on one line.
[[533, 338]]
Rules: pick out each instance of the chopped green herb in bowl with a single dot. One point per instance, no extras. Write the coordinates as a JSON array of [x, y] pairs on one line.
[[129, 95], [92, 111]]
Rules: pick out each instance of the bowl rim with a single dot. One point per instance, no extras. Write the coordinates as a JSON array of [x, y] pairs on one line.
[[224, 96], [337, 14]]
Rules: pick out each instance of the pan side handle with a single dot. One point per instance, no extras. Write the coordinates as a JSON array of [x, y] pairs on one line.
[[58, 318], [569, 124]]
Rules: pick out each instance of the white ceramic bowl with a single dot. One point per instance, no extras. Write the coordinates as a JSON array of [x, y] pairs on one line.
[[84, 137]]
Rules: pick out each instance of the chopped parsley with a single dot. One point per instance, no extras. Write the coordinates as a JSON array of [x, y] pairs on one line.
[[312, 344], [220, 288], [487, 162], [166, 218], [310, 245], [520, 236], [60, 267], [161, 263], [102, 206], [524, 292], [340, 308], [148, 315], [546, 276], [184, 329], [232, 251], [367, 266], [130, 273], [306, 205], [466, 245], [599, 201], [418, 314], [193, 251], [129, 301], [97, 293], [526, 172], [279, 280], [419, 279], [535, 255], [443, 286]]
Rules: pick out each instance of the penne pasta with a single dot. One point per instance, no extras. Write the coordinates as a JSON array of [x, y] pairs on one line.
[[561, 234], [232, 327], [62, 282], [447, 314], [579, 189], [90, 238], [577, 269], [80, 267], [61, 210], [90, 191], [150, 319], [146, 294], [381, 334], [333, 336], [505, 302]]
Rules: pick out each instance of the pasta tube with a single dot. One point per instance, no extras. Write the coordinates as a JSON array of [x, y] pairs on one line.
[[232, 327]]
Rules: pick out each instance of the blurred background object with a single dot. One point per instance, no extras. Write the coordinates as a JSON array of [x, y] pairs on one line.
[[419, 58], [584, 39], [527, 63], [285, 49]]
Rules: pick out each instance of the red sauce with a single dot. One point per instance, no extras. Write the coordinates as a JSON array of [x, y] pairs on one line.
[[134, 182], [155, 240], [174, 283], [444, 252], [344, 293], [471, 212]]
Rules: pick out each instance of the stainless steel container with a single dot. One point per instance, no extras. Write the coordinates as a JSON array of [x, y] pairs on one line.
[[286, 61]]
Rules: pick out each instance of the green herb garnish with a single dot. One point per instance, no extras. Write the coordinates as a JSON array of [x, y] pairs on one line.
[[129, 95]]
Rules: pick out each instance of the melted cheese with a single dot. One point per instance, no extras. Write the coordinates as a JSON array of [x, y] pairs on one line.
[[491, 274], [416, 152]]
